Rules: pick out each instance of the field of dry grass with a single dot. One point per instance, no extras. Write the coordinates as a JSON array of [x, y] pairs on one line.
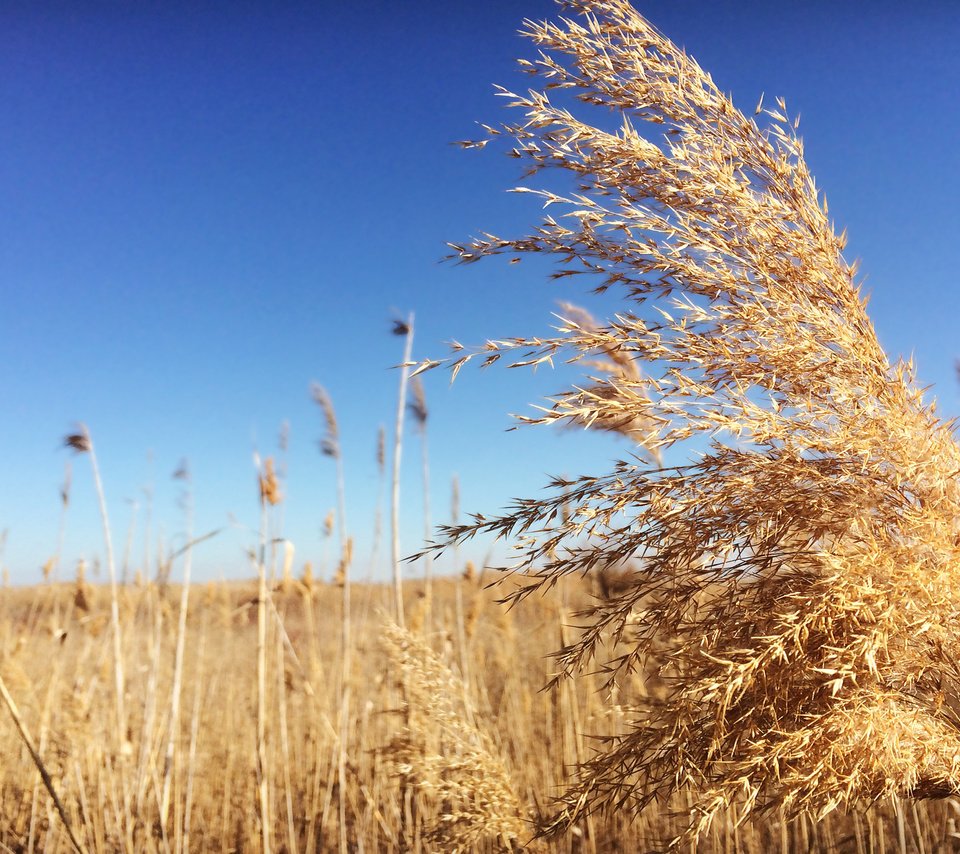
[[741, 638], [505, 745]]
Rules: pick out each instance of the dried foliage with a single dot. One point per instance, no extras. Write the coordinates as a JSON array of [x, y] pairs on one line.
[[65, 706], [794, 582], [268, 483], [447, 753], [79, 442], [329, 444]]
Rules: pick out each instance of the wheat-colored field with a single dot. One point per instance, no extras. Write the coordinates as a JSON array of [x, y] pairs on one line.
[[747, 647], [450, 741]]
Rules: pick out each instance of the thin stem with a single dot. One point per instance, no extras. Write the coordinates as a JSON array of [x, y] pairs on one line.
[[428, 557], [345, 656], [114, 604], [44, 774], [397, 453], [262, 783], [175, 691]]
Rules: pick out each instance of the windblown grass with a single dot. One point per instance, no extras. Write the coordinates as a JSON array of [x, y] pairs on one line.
[[792, 565]]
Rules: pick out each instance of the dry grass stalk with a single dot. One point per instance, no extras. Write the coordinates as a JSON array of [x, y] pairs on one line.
[[330, 446], [214, 793], [173, 721], [381, 458], [404, 329], [38, 762], [269, 495], [448, 755], [307, 579], [421, 415], [797, 580], [81, 442]]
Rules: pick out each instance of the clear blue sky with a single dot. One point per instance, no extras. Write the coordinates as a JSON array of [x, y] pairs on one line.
[[203, 207]]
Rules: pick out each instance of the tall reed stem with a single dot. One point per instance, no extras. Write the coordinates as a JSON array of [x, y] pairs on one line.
[[175, 691], [405, 329], [421, 414], [330, 447], [82, 442], [267, 491]]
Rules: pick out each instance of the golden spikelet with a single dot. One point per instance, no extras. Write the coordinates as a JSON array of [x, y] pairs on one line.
[[448, 754], [329, 444], [269, 487], [343, 567], [306, 578], [473, 615]]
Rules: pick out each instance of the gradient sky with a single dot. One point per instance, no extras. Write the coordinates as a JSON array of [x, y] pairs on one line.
[[203, 207]]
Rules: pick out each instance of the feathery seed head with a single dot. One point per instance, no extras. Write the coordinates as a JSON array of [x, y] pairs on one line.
[[794, 574]]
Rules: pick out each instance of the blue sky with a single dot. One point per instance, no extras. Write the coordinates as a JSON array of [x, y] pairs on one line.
[[206, 206]]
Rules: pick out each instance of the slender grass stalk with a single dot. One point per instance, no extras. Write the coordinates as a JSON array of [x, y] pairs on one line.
[[330, 446], [458, 591], [38, 762], [83, 443], [150, 701], [49, 700], [421, 416], [292, 846], [198, 692], [263, 784], [378, 512], [574, 731], [173, 720], [898, 812], [276, 537], [405, 329], [269, 495]]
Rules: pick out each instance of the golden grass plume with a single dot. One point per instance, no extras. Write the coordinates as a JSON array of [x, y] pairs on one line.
[[795, 578], [446, 752]]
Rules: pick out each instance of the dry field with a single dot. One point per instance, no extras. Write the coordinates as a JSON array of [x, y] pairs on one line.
[[480, 743], [741, 638]]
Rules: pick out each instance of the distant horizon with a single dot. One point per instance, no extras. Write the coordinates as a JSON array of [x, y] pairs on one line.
[[101, 581]]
